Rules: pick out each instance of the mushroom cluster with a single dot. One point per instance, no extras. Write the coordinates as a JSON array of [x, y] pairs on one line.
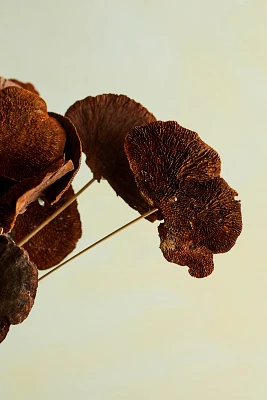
[[40, 154], [151, 165], [155, 164]]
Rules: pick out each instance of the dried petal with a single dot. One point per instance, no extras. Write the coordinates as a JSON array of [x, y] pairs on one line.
[[161, 154], [18, 284], [214, 214], [102, 123], [30, 140], [57, 239], [16, 200]]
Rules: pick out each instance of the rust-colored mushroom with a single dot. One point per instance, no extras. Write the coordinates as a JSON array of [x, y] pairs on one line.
[[18, 284], [161, 154], [34, 146], [57, 239], [29, 139], [102, 123], [178, 173]]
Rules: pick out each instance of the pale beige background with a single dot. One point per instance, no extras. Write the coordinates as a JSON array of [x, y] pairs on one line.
[[121, 322]]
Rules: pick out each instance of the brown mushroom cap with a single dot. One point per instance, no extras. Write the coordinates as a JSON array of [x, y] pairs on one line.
[[163, 153], [178, 173], [102, 123], [57, 239], [39, 152], [30, 140], [18, 284]]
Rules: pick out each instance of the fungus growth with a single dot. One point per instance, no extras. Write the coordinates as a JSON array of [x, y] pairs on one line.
[[39, 154], [102, 123], [178, 173], [160, 169]]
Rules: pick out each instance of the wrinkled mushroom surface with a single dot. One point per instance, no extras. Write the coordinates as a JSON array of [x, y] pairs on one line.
[[179, 173], [200, 219], [30, 140], [38, 153], [161, 154]]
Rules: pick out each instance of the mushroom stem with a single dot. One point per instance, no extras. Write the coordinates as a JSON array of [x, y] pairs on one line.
[[100, 241], [55, 214]]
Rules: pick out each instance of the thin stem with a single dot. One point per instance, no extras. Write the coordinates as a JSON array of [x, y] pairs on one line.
[[100, 241], [55, 214]]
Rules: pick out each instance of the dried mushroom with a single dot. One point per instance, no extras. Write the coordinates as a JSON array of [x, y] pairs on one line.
[[161, 154], [57, 239], [29, 139], [18, 284], [32, 145], [178, 173], [102, 123], [153, 165]]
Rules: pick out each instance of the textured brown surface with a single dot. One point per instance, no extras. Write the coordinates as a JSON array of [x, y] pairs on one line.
[[29, 139], [178, 173], [14, 82], [56, 240], [178, 247], [212, 211], [16, 200], [18, 284], [161, 154], [102, 123], [38, 152], [201, 218]]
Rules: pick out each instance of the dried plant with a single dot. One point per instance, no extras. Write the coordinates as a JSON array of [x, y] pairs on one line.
[[162, 170]]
